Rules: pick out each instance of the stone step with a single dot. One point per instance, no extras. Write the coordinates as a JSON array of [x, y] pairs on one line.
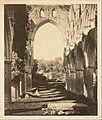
[[51, 96], [63, 107], [50, 92], [66, 108], [41, 99], [48, 95]]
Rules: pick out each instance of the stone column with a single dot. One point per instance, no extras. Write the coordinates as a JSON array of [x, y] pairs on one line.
[[18, 88], [88, 79], [27, 75], [23, 84], [67, 82], [73, 81], [7, 81], [28, 79], [20, 85], [79, 81]]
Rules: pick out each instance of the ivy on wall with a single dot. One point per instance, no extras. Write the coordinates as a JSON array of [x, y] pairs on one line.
[[20, 34], [17, 67]]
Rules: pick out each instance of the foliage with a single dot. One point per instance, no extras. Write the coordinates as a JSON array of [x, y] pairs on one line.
[[52, 68], [35, 66], [17, 67]]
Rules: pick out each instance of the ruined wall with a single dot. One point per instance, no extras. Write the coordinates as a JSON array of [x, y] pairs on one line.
[[81, 49]]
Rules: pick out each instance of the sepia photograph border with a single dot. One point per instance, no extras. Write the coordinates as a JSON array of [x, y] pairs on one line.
[[99, 33]]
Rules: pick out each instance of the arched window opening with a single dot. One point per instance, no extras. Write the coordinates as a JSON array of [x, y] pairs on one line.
[[86, 59], [54, 13], [42, 13], [48, 42], [48, 51]]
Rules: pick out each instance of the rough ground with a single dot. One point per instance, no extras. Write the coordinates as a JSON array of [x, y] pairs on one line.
[[53, 100]]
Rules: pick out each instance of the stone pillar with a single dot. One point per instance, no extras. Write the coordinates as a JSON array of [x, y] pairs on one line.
[[88, 79], [7, 81], [18, 88], [28, 79], [79, 82], [27, 75], [73, 81], [20, 85], [67, 82], [23, 84]]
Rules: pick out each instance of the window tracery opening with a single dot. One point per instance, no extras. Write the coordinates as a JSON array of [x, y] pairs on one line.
[[42, 13], [54, 13]]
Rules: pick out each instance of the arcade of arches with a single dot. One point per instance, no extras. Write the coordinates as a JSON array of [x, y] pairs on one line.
[[78, 24]]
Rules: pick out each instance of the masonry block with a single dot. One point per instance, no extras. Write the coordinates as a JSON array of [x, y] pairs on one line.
[[79, 82], [88, 79], [7, 81]]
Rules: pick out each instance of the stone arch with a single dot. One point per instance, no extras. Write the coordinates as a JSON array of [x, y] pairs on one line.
[[37, 26], [90, 50], [34, 30], [44, 22]]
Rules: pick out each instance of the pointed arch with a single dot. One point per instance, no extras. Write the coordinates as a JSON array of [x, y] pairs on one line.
[[37, 26], [42, 12], [54, 13], [90, 47]]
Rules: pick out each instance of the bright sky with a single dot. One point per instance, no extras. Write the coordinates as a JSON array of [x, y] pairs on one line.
[[48, 42]]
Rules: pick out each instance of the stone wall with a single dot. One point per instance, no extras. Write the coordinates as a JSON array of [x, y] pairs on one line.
[[78, 24], [81, 49]]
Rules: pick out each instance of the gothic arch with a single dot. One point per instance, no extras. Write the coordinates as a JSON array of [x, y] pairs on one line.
[[90, 56], [90, 48], [44, 22], [37, 26]]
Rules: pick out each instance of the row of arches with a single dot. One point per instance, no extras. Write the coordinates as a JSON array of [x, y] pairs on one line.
[[81, 66]]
